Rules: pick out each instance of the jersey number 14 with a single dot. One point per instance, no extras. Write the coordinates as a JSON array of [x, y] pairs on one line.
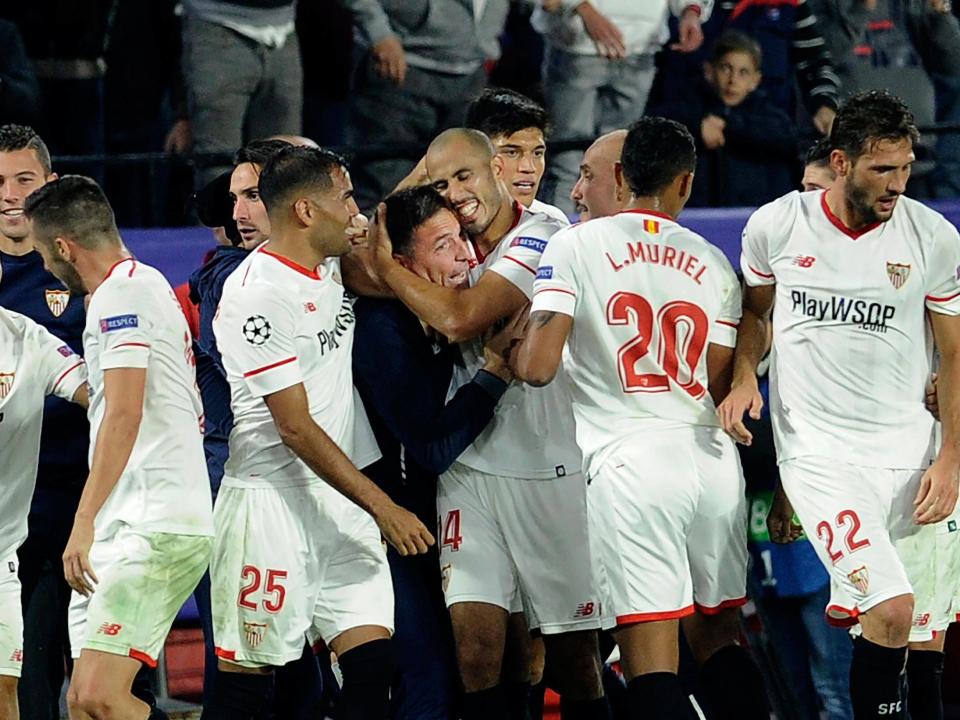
[[680, 330]]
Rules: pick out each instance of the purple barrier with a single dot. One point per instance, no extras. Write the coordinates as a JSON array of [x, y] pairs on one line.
[[176, 252]]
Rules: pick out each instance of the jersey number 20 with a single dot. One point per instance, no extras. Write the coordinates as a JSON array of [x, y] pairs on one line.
[[681, 337]]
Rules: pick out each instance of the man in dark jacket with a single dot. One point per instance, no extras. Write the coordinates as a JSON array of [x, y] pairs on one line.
[[403, 371]]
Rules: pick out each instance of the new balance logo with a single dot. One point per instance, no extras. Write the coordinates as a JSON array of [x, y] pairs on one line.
[[584, 610], [110, 629], [16, 656], [804, 261]]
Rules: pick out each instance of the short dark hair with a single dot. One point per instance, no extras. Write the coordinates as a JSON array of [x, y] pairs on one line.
[[819, 153], [409, 209], [867, 118], [736, 41], [22, 137], [73, 206], [655, 152], [295, 169], [498, 111], [259, 151]]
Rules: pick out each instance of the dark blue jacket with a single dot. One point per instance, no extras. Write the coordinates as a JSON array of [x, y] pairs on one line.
[[26, 288], [206, 287], [403, 376]]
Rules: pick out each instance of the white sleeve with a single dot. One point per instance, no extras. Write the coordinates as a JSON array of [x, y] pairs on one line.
[[556, 286], [723, 330], [125, 330], [256, 334], [60, 368], [520, 262], [943, 281], [755, 250]]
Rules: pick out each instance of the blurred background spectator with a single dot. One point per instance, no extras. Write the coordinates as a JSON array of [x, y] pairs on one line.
[[19, 90], [746, 145], [599, 67], [241, 62], [419, 62]]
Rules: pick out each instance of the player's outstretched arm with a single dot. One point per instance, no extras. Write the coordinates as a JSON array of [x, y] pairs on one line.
[[938, 488], [458, 314], [539, 355], [300, 433], [123, 390], [744, 392]]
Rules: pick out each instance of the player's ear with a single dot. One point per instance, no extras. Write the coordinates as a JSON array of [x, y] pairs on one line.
[[685, 186], [52, 176], [840, 162], [497, 166], [63, 247], [303, 209], [622, 190]]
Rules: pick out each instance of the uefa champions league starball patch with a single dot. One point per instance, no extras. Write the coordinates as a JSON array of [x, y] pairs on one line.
[[256, 330]]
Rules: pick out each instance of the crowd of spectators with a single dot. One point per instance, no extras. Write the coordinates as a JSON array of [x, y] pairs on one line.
[[755, 81]]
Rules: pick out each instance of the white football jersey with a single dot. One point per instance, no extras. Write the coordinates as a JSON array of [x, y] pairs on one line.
[[551, 211], [532, 431], [647, 297], [135, 321], [280, 324], [852, 348], [33, 364]]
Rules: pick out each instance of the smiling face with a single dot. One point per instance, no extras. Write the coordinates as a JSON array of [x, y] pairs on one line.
[[468, 181], [249, 212], [523, 155], [20, 174], [876, 179], [439, 251]]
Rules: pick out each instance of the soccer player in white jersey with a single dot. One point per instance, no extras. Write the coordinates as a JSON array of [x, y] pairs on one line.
[[142, 533], [861, 276], [298, 550], [33, 364], [517, 127], [512, 510], [644, 314]]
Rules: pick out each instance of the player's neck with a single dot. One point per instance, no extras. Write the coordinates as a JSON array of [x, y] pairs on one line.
[[653, 203], [295, 250], [9, 246], [94, 266], [503, 222], [844, 211]]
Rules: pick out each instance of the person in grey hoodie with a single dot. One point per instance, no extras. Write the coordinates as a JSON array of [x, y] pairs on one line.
[[421, 62]]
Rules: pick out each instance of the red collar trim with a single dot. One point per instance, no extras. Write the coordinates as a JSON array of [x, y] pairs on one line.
[[839, 224], [517, 214], [118, 262], [312, 274], [643, 211]]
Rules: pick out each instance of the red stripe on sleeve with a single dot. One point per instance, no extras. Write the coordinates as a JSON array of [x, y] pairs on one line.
[[271, 366], [67, 372], [521, 264], [931, 298], [559, 290], [763, 275], [728, 324]]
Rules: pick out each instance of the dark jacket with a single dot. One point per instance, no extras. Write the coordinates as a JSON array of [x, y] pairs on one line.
[[19, 90], [758, 162], [206, 288], [403, 376]]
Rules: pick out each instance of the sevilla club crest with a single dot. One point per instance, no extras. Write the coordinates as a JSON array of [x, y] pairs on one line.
[[6, 384], [860, 579], [57, 301], [898, 274], [253, 633]]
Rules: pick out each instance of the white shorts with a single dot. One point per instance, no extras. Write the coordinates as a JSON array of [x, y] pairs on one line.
[[669, 512], [503, 537], [11, 618], [853, 515], [291, 564], [145, 578], [932, 561]]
